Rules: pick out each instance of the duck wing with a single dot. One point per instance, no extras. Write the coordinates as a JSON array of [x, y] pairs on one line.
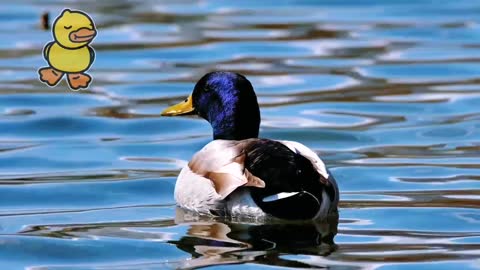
[[328, 180], [46, 50], [297, 183], [92, 54]]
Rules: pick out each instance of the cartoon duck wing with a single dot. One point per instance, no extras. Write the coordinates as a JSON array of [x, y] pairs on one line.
[[92, 54], [46, 50]]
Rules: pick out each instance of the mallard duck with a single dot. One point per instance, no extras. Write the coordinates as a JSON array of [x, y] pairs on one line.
[[241, 175]]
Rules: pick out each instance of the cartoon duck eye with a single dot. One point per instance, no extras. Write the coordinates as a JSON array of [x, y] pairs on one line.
[[67, 27]]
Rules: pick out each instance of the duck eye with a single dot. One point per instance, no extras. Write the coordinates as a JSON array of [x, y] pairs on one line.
[[207, 89], [67, 27]]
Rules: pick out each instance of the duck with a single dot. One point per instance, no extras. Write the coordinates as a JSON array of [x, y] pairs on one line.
[[238, 174], [69, 53]]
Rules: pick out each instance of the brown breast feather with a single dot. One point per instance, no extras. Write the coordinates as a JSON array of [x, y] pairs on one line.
[[223, 163]]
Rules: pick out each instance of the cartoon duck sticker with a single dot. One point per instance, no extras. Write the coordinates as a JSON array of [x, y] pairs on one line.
[[69, 53]]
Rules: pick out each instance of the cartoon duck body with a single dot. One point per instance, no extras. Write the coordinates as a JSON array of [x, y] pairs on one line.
[[69, 53], [69, 61]]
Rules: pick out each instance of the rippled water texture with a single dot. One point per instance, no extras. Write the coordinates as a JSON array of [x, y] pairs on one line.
[[387, 92]]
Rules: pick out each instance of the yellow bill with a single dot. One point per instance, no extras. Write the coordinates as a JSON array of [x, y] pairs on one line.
[[181, 108]]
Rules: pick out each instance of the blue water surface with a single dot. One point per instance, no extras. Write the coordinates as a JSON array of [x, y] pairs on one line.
[[386, 92]]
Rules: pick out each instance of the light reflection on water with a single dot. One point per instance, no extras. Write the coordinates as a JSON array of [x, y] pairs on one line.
[[387, 93]]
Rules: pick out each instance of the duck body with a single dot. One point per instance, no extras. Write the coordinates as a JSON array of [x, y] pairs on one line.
[[69, 60], [257, 178], [241, 175]]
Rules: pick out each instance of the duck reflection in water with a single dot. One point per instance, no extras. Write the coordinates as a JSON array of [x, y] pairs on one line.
[[223, 241]]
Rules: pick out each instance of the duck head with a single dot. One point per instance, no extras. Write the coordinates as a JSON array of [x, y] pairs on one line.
[[227, 101], [73, 29]]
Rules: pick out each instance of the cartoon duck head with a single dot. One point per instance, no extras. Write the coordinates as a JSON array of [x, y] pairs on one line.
[[73, 29]]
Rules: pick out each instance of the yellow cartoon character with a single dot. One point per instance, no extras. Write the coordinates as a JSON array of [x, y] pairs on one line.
[[69, 53]]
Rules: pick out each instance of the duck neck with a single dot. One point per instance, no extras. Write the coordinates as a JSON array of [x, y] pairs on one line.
[[234, 134], [236, 126]]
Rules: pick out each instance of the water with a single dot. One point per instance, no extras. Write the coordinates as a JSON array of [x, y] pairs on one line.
[[387, 92]]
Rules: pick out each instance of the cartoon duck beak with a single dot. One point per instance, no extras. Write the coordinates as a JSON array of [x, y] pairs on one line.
[[182, 108], [82, 35]]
